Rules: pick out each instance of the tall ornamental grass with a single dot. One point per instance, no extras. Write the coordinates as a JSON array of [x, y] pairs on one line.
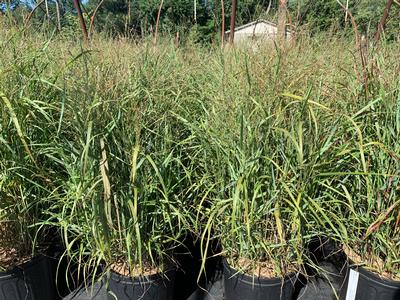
[[29, 151], [125, 148]]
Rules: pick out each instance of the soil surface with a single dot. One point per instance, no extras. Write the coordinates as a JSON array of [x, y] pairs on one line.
[[9, 258], [123, 269], [10, 245], [256, 268]]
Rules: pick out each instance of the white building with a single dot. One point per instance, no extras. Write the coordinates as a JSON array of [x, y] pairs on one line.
[[256, 31]]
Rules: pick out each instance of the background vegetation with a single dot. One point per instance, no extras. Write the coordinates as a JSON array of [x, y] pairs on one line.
[[201, 19]]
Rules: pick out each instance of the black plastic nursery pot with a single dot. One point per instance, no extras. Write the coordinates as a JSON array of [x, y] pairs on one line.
[[361, 284], [189, 260], [155, 287], [239, 286], [33, 280]]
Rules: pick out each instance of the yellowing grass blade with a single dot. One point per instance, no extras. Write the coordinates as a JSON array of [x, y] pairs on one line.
[[17, 126]]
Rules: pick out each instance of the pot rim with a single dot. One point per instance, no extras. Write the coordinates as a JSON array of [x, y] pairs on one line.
[[374, 277], [262, 281], [16, 270]]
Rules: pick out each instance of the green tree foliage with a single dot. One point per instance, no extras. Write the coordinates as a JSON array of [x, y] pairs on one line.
[[369, 12], [322, 15], [202, 18], [139, 16], [319, 15]]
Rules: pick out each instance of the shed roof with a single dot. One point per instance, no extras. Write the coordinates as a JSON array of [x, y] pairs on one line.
[[253, 23]]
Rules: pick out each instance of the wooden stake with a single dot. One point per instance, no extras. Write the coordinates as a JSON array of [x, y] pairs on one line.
[[77, 6]]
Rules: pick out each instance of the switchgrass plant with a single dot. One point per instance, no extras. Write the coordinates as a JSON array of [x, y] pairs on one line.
[[362, 189], [271, 160], [124, 202], [375, 207], [28, 159], [253, 199], [125, 147], [359, 199], [261, 160]]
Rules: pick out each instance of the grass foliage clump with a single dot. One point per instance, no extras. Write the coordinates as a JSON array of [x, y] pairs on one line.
[[125, 148]]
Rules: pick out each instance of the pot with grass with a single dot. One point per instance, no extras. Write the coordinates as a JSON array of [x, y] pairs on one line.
[[27, 270], [372, 245], [122, 209], [373, 260], [262, 256], [255, 207], [373, 238], [365, 192]]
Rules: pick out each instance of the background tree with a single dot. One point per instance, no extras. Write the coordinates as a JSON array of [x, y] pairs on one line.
[[201, 20], [282, 19], [382, 22], [78, 9], [323, 15], [233, 22]]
